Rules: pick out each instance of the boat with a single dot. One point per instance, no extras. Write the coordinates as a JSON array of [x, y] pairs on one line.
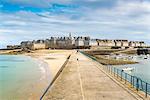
[[128, 69], [145, 58]]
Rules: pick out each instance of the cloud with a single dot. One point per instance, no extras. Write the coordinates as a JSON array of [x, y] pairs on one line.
[[127, 19]]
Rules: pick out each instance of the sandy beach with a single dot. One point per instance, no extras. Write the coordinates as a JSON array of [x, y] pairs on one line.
[[54, 58]]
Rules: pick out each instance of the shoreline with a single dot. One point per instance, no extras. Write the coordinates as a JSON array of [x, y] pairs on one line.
[[54, 60], [51, 59]]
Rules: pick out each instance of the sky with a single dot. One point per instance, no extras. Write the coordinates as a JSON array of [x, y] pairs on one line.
[[104, 19]]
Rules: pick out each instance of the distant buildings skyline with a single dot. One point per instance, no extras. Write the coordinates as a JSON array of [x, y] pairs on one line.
[[17, 43], [80, 42]]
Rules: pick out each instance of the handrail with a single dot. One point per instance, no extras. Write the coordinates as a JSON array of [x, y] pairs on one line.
[[134, 81]]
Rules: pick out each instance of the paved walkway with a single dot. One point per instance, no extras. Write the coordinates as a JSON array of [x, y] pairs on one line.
[[83, 80]]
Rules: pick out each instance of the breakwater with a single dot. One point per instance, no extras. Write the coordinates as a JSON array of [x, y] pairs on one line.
[[131, 81]]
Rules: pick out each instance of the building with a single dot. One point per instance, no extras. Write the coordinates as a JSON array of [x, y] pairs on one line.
[[39, 44], [132, 44], [93, 42], [67, 42], [51, 43], [59, 43], [125, 43], [64, 42], [106, 43], [142, 44], [78, 42], [137, 43], [33, 45], [119, 43], [11, 47], [82, 42], [26, 44], [86, 41]]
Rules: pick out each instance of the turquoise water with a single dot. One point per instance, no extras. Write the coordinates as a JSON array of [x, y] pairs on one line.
[[22, 78]]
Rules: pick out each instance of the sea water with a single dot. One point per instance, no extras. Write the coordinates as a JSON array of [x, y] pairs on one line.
[[22, 78], [141, 69]]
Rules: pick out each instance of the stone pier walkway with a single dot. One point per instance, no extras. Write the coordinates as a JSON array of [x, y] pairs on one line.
[[83, 80]]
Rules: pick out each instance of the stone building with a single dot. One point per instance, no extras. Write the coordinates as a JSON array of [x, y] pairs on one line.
[[142, 44], [13, 47], [125, 43], [67, 42], [36, 46], [78, 42], [137, 44], [132, 44], [118, 43], [106, 43], [59, 43], [39, 44], [86, 41], [51, 43], [82, 42], [26, 44], [74, 41], [64, 42], [33, 45], [93, 42]]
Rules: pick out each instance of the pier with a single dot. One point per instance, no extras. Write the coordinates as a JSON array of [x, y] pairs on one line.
[[83, 79]]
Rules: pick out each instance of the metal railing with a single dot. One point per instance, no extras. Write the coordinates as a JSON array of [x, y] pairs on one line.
[[130, 80]]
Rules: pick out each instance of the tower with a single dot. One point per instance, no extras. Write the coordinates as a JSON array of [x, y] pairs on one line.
[[70, 36]]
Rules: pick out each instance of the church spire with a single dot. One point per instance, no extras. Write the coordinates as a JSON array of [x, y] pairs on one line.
[[70, 35]]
